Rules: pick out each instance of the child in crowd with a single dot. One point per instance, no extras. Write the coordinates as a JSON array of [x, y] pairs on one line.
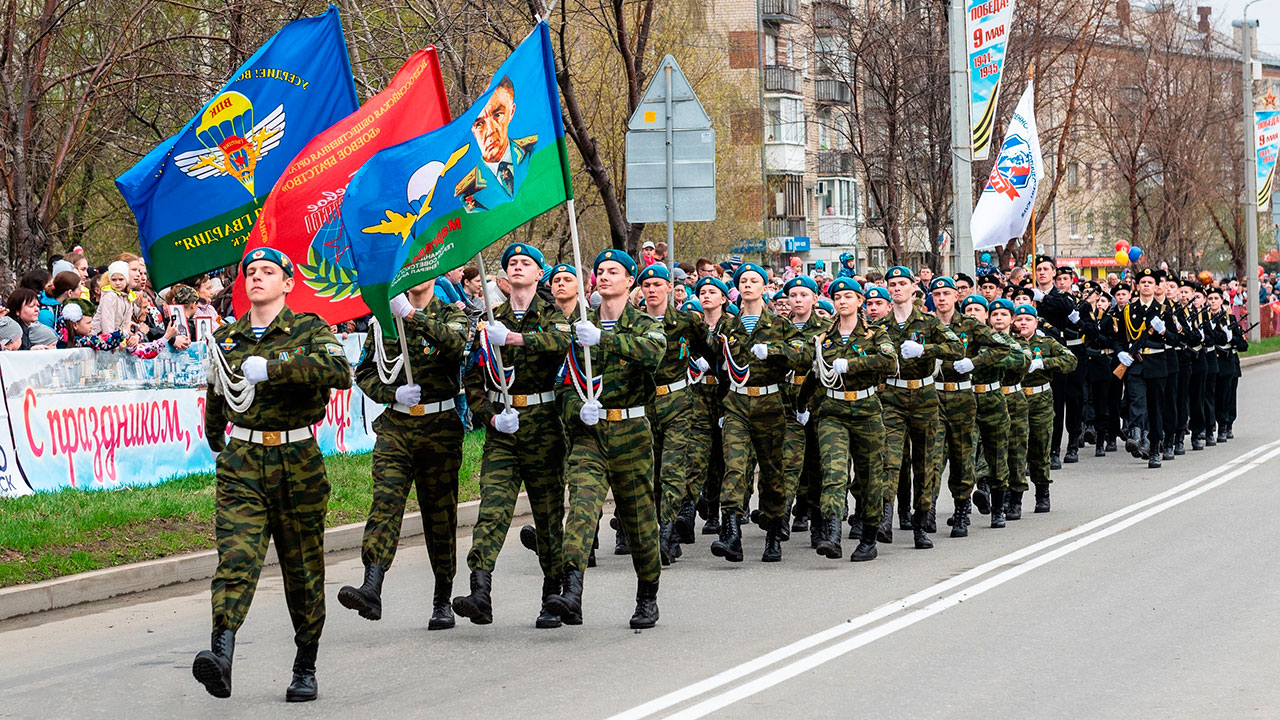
[[75, 330], [115, 311]]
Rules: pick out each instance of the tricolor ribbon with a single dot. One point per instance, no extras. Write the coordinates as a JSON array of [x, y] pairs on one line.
[[486, 358], [738, 374]]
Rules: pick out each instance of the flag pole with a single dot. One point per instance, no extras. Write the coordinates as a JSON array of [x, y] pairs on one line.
[[1031, 78], [582, 292], [404, 350], [497, 354]]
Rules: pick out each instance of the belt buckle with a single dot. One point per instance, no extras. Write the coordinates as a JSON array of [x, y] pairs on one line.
[[613, 415], [519, 401], [913, 384], [753, 391], [1027, 391], [417, 410], [949, 386], [272, 438], [663, 390], [798, 380]]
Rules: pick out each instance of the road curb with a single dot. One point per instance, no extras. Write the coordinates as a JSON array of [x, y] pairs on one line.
[[151, 574], [1248, 362]]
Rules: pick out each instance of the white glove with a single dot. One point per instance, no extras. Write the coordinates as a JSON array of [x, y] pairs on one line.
[[590, 412], [1203, 338], [803, 417], [963, 365], [912, 349], [409, 394], [1228, 332], [1125, 358], [588, 335], [1157, 324], [254, 369], [840, 365], [401, 307], [703, 365], [507, 421], [760, 351], [1074, 316], [1036, 364], [1037, 294], [722, 422], [497, 333]]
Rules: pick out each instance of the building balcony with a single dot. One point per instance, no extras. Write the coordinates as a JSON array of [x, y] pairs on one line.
[[830, 16], [841, 232], [835, 164], [785, 227], [784, 158], [832, 91], [780, 78], [780, 11]]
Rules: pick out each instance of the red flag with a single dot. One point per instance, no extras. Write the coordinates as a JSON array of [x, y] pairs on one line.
[[300, 217]]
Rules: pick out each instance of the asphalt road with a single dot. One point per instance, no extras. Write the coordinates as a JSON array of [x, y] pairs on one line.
[[1143, 594]]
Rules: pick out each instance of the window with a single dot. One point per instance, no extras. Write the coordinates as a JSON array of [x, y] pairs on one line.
[[1088, 176], [837, 197], [879, 256], [784, 120], [833, 130], [1073, 175], [1073, 223], [1088, 221]]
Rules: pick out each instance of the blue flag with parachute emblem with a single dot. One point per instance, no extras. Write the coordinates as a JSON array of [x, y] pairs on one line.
[[198, 193]]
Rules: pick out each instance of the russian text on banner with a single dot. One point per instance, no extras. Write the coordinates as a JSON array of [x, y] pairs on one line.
[[197, 194], [1006, 204], [301, 216], [428, 205], [987, 24], [1267, 134]]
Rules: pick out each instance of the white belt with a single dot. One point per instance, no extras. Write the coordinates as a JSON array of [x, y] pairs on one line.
[[616, 414], [424, 409], [1077, 341], [954, 386], [519, 401], [271, 438], [668, 389], [1035, 389], [1197, 348], [851, 395], [989, 387], [754, 390], [1011, 389], [1224, 347], [909, 384]]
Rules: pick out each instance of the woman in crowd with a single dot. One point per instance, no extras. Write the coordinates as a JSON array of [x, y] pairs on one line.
[[24, 308]]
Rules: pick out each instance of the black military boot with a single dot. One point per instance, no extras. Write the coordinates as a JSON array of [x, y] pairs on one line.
[[1042, 497], [922, 538], [817, 530], [866, 549], [829, 547], [1178, 447], [712, 524], [529, 537], [772, 541], [904, 515], [959, 521], [884, 533], [441, 608], [478, 606], [1153, 463], [997, 508], [303, 687], [1073, 453], [620, 544], [212, 667], [1145, 448], [366, 599], [1013, 505], [784, 528], [1231, 435], [1209, 440], [646, 605], [1166, 451], [1222, 434], [1197, 442], [1111, 445], [1055, 463], [801, 521], [568, 604], [982, 498], [684, 523], [855, 524], [1101, 449], [729, 546], [1089, 436], [1133, 442], [547, 619], [665, 542], [931, 519]]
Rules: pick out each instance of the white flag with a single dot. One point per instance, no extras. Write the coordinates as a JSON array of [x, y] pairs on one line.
[[1004, 210]]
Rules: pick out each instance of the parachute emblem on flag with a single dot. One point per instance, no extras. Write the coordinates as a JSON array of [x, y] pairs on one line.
[[233, 142], [330, 269], [1012, 170]]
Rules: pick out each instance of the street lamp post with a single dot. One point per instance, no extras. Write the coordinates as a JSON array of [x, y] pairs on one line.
[[1250, 168]]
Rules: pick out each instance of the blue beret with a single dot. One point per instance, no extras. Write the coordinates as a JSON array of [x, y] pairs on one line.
[[642, 302], [843, 284], [1001, 304], [876, 291], [691, 305], [826, 305], [750, 267], [561, 268], [520, 248], [897, 271], [656, 270], [270, 255], [974, 300], [942, 281], [733, 309], [801, 281], [618, 256], [1025, 309], [780, 295], [716, 283]]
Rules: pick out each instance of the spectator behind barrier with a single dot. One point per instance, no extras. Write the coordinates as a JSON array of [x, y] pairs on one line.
[[24, 308]]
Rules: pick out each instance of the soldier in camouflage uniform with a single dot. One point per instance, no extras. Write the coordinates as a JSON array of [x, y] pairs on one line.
[[1001, 320], [800, 446], [419, 443], [993, 413], [271, 477], [851, 359], [958, 404], [1048, 357], [910, 400], [611, 446], [758, 350], [706, 451], [524, 445]]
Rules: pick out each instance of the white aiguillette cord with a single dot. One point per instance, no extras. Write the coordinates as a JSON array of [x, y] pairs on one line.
[[238, 391], [827, 374], [387, 370]]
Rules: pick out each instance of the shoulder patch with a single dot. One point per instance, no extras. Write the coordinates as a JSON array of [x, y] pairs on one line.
[[333, 349], [952, 336], [562, 327], [227, 345], [657, 335], [454, 325], [887, 348]]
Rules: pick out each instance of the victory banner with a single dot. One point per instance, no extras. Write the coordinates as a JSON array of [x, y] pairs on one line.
[[428, 205], [197, 194], [301, 216], [1006, 204], [986, 26], [1267, 139]]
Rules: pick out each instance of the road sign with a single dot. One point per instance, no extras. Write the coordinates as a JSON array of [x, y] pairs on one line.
[[671, 153]]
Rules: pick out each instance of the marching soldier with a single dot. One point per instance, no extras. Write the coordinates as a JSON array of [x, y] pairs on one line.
[[993, 412], [525, 445], [1166, 292], [1000, 318], [1048, 357], [611, 447], [1189, 357], [1073, 328], [1142, 352], [1215, 339], [419, 443], [271, 476], [1100, 362], [706, 452], [800, 447]]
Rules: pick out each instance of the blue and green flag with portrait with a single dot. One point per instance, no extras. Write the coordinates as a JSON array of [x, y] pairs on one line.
[[428, 205], [198, 193]]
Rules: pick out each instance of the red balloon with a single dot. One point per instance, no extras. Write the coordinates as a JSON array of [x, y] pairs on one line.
[[1122, 246]]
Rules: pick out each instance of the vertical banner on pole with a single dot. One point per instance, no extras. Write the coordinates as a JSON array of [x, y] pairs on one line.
[[986, 24], [1267, 141]]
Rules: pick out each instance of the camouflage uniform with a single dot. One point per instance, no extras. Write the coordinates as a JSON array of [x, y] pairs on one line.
[[534, 454], [801, 466], [993, 411], [1016, 404], [424, 450], [706, 452], [1056, 359], [274, 490], [672, 409]]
